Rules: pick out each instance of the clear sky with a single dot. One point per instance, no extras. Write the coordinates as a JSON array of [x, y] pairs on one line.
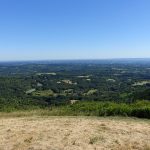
[[74, 29]]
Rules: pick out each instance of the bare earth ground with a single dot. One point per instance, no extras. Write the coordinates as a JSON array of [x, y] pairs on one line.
[[74, 133]]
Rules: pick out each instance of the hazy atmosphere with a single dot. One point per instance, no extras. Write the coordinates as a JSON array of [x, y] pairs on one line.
[[74, 29]]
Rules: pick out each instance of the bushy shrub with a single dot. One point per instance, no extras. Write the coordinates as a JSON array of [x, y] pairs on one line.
[[138, 109]]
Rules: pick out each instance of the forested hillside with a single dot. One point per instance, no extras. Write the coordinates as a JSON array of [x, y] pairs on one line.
[[25, 85]]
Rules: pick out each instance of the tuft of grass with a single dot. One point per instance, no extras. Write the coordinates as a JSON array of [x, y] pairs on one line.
[[96, 139]]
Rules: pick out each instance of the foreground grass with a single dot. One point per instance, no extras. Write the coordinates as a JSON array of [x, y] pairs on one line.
[[73, 133], [139, 109]]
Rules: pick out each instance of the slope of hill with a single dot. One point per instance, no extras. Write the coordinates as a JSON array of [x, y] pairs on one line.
[[74, 133]]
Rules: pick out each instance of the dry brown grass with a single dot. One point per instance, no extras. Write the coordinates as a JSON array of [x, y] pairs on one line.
[[74, 133]]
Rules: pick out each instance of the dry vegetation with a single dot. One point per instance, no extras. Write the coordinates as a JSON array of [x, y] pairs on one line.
[[73, 133]]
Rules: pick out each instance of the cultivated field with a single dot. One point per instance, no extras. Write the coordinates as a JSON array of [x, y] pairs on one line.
[[74, 133]]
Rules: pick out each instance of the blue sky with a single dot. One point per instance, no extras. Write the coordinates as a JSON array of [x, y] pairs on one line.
[[74, 29]]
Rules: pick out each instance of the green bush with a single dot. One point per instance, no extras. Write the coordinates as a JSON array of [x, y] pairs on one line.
[[139, 109], [141, 112]]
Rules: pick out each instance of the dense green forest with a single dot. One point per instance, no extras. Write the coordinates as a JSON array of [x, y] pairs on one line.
[[28, 85]]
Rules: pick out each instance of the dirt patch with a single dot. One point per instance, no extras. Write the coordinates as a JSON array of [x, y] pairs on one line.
[[74, 133]]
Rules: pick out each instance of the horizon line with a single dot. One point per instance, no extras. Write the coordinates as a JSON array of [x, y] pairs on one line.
[[76, 59]]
